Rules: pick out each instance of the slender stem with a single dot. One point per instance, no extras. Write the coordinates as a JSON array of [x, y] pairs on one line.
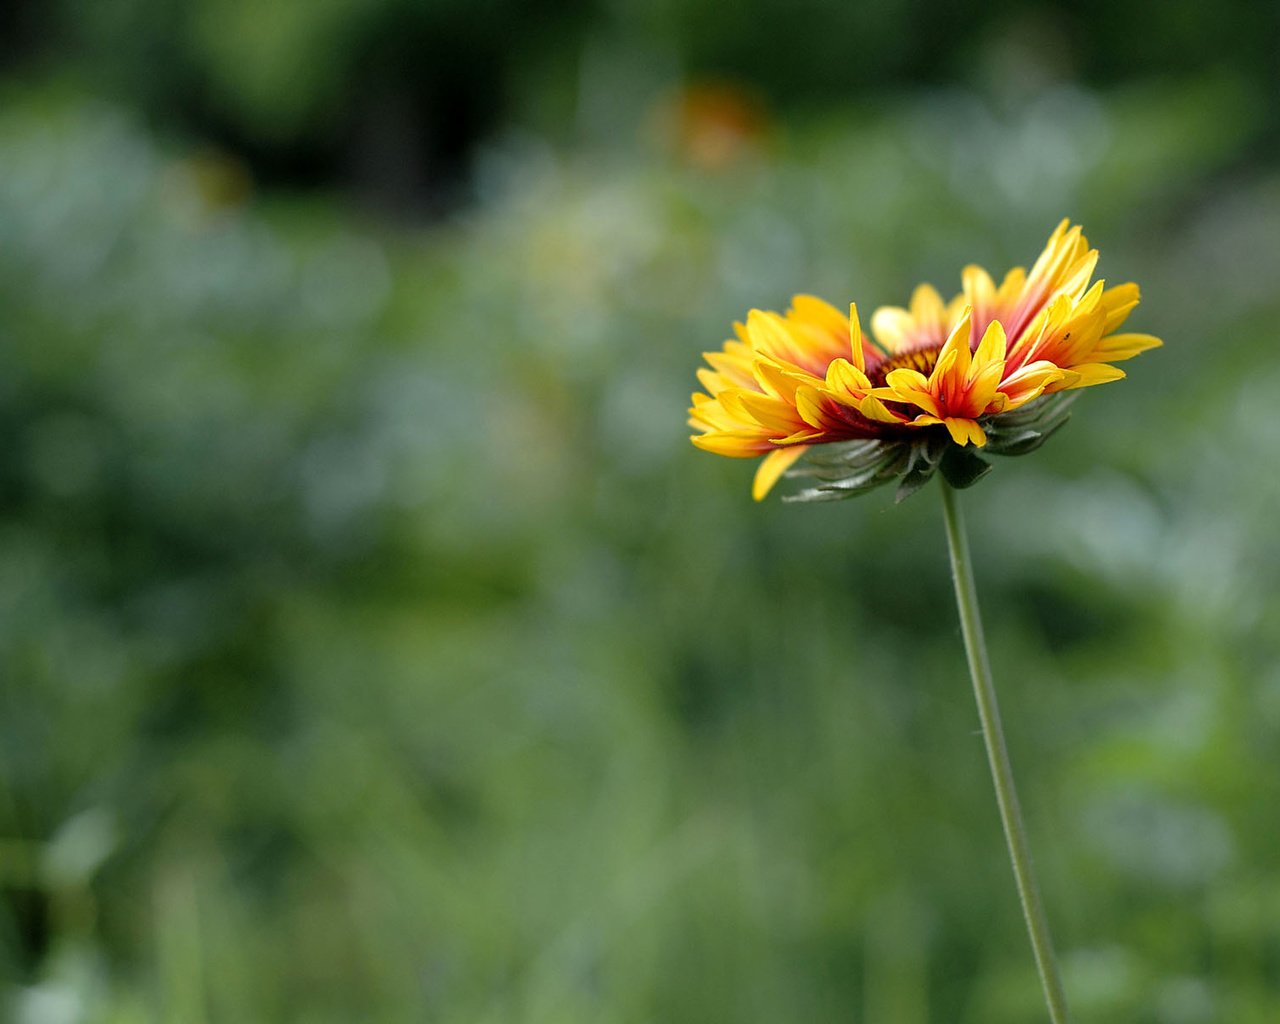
[[998, 756]]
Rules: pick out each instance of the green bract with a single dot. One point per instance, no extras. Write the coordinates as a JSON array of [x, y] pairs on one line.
[[845, 470]]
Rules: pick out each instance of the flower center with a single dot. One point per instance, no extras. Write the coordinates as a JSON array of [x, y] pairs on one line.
[[920, 357]]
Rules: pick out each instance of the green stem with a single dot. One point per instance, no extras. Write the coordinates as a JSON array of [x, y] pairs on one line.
[[998, 756]]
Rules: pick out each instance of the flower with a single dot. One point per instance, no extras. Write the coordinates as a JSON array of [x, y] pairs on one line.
[[935, 380]]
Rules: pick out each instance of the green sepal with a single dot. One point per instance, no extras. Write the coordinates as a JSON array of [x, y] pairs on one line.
[[913, 481], [845, 453], [1023, 442], [963, 467], [1023, 431], [926, 456], [849, 468], [869, 470]]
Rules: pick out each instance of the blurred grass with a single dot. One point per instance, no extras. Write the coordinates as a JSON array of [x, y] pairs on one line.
[[375, 647]]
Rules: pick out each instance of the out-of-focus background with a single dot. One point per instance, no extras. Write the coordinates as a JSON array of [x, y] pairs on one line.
[[375, 647]]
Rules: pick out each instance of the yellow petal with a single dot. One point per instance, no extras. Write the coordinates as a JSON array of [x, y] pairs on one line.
[[891, 325], [775, 380], [956, 348], [984, 389], [855, 338], [772, 466], [1010, 288], [874, 409], [904, 378], [1119, 347], [1037, 340], [1090, 374], [734, 445], [845, 379], [800, 437], [909, 386], [979, 292], [771, 413], [1076, 277], [821, 314], [770, 334], [992, 347], [1119, 302], [987, 369], [927, 308], [710, 414], [809, 406], [1078, 340], [965, 431], [1091, 299], [730, 400], [949, 380], [1029, 382], [713, 382], [734, 369], [1050, 253]]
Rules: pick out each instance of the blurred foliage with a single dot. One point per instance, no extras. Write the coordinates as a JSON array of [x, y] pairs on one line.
[[392, 96], [375, 647]]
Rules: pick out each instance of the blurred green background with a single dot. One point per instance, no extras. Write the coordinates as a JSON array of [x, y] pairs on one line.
[[375, 647]]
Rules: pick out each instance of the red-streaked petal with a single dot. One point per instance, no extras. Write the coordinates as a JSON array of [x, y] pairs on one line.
[[1029, 382]]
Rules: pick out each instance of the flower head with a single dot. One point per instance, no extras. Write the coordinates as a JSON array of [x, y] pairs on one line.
[[933, 382]]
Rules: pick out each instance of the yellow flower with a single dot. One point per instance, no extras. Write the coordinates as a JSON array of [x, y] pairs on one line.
[[934, 376]]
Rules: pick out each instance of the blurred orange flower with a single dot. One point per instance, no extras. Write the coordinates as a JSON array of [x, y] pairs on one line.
[[712, 125]]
